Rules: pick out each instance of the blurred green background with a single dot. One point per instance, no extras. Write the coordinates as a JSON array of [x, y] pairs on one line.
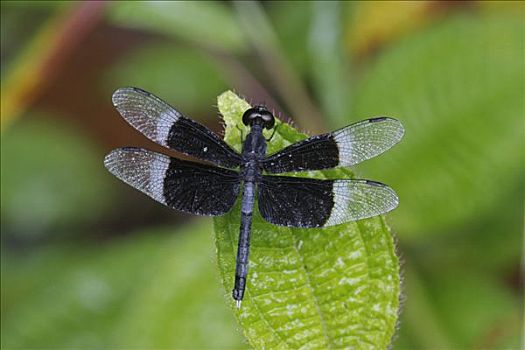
[[88, 262]]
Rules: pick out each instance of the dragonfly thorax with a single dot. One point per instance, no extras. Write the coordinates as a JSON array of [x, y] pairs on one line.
[[254, 146]]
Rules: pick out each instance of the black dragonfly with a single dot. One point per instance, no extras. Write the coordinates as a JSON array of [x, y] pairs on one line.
[[283, 200]]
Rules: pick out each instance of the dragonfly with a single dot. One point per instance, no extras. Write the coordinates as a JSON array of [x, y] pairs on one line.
[[212, 189]]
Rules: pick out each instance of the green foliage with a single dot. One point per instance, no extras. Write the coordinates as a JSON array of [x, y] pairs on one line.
[[191, 78], [455, 78], [289, 20], [324, 288], [206, 23], [155, 289], [51, 179], [441, 295], [457, 90], [452, 302], [329, 67]]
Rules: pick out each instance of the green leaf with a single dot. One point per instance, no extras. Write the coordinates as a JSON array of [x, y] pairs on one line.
[[211, 24], [155, 289], [458, 89], [318, 288]]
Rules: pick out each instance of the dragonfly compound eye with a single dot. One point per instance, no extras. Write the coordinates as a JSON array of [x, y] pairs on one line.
[[258, 113], [249, 115], [268, 120]]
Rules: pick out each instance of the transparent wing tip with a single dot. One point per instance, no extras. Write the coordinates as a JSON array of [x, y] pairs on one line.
[[121, 93], [109, 159], [113, 158]]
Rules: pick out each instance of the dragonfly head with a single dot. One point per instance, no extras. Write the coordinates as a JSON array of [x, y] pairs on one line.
[[258, 115]]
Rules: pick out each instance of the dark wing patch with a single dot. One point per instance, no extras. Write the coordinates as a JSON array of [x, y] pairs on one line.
[[194, 139], [166, 126], [302, 202], [186, 186], [295, 202], [316, 152], [344, 147]]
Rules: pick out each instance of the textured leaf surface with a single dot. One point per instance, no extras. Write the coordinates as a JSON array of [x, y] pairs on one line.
[[310, 288]]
